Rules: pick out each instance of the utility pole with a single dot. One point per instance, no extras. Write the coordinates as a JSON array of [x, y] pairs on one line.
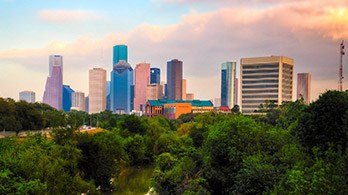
[[340, 74]]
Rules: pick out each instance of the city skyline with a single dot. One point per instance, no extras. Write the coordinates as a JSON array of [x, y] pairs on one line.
[[82, 35]]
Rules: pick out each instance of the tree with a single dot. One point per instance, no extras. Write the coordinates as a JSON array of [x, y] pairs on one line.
[[325, 121]]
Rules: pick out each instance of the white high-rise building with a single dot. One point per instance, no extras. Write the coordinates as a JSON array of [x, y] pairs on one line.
[[28, 96], [265, 78], [97, 90]]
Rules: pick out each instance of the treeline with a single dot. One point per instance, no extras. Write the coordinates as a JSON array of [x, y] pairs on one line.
[[293, 149]]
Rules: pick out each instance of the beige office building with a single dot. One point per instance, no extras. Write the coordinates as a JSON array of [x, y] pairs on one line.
[[265, 78], [184, 89], [304, 87], [97, 90], [154, 92], [78, 101], [190, 96]]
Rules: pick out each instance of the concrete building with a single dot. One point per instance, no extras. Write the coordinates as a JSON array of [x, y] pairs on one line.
[[190, 96], [53, 94], [265, 78], [78, 101], [228, 77], [304, 87], [184, 89], [141, 81], [28, 96], [236, 91], [97, 90], [154, 92], [174, 79]]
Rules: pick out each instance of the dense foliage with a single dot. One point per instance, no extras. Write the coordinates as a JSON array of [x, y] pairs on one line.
[[292, 149]]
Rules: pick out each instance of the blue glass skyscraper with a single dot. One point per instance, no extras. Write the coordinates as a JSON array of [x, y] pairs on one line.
[[155, 76], [122, 96], [67, 92], [228, 77], [120, 52]]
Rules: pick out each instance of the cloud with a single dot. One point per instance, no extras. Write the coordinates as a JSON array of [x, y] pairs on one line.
[[308, 32], [68, 16]]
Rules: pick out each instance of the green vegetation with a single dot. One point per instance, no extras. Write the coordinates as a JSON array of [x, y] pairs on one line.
[[292, 149]]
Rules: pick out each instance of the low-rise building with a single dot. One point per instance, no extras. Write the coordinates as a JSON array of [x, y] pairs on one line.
[[172, 109]]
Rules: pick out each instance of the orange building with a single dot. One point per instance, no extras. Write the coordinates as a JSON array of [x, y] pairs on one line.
[[174, 110]]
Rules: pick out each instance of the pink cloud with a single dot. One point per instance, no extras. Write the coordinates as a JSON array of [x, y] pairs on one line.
[[305, 31], [68, 16]]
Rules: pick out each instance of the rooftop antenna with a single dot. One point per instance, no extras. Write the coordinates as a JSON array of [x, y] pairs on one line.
[[340, 74]]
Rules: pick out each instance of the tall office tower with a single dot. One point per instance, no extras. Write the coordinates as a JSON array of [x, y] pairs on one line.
[[87, 104], [174, 80], [67, 94], [155, 76], [304, 87], [28, 96], [120, 52], [54, 83], [141, 80], [228, 76], [236, 91], [78, 101], [265, 78], [190, 96], [183, 89], [108, 95], [97, 90], [122, 88], [154, 92]]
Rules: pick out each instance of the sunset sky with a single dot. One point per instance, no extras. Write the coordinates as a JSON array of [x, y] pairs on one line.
[[201, 33]]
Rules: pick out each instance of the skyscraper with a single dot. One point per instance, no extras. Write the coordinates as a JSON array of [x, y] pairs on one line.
[[174, 79], [265, 78], [67, 95], [228, 77], [78, 101], [97, 90], [141, 74], [28, 96], [183, 89], [122, 89], [54, 83], [108, 95], [304, 87], [236, 91], [120, 52], [155, 76]]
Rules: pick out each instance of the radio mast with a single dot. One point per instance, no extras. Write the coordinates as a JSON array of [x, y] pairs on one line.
[[340, 74]]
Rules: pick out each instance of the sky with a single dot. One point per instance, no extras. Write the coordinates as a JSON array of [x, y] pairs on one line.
[[201, 33]]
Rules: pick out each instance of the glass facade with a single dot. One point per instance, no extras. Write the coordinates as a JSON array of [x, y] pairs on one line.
[[122, 88], [67, 97], [228, 78], [54, 83], [120, 52], [155, 76]]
